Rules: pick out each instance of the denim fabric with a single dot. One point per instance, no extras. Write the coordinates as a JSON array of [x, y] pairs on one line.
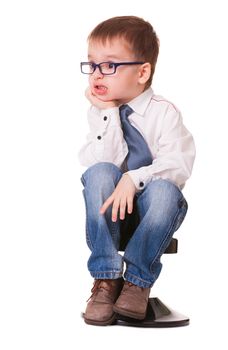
[[161, 208]]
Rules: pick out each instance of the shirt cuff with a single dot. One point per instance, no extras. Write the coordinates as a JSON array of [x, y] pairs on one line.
[[139, 179], [111, 116]]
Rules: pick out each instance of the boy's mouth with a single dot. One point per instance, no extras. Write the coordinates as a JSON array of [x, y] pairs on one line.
[[100, 89]]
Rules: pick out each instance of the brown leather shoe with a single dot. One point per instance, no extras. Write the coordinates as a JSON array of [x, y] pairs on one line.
[[132, 301], [99, 310]]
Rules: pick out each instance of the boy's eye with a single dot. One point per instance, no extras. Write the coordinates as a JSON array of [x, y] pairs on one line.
[[111, 65]]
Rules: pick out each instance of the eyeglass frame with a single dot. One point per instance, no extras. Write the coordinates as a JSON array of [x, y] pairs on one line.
[[116, 64]]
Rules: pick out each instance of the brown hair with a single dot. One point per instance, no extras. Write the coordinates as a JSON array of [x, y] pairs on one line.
[[137, 32]]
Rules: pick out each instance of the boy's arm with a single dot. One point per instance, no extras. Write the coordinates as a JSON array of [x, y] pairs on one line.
[[105, 141], [174, 156]]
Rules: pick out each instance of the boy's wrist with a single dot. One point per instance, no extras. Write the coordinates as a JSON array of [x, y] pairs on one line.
[[110, 116], [137, 179]]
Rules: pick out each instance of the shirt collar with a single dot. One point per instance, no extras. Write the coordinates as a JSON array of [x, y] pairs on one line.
[[139, 104]]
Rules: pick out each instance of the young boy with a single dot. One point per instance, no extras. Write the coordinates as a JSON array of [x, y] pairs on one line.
[[139, 155]]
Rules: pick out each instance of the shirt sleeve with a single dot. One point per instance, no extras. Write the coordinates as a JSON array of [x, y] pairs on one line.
[[174, 153], [105, 142]]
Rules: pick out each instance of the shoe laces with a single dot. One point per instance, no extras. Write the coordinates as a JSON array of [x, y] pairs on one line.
[[98, 286]]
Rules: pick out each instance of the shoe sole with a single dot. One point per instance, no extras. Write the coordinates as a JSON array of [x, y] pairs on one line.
[[128, 313], [101, 323]]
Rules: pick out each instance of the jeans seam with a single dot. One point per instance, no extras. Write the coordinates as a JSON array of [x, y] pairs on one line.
[[86, 224], [110, 271], [169, 231], [137, 278]]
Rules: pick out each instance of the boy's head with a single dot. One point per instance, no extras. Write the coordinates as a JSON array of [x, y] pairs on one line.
[[139, 34], [123, 39]]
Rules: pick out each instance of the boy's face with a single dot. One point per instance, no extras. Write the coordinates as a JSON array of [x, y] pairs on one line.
[[126, 83]]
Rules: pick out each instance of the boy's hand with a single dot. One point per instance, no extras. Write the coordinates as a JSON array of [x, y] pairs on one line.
[[95, 101], [121, 198]]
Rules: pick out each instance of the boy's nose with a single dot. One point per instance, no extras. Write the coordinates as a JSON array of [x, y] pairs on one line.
[[97, 74]]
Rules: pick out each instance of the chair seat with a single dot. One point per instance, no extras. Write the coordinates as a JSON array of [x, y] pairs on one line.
[[158, 315]]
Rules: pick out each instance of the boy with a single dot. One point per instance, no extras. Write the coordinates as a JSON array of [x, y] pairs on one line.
[[139, 156]]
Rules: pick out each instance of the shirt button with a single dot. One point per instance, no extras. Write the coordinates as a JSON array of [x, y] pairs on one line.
[[99, 137], [141, 184], [105, 117]]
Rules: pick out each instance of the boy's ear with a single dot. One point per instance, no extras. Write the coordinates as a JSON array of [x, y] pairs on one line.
[[144, 73]]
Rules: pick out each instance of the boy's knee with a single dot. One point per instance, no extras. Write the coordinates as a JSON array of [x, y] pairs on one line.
[[164, 196], [163, 190], [165, 203], [100, 173]]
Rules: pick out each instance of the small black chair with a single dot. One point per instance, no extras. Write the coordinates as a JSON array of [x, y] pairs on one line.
[[158, 314]]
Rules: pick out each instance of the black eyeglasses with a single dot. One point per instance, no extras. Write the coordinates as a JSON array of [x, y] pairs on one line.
[[106, 68]]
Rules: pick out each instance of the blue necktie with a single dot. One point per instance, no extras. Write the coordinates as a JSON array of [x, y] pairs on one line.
[[138, 151]]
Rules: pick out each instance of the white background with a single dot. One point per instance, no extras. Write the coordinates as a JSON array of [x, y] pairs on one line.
[[44, 282]]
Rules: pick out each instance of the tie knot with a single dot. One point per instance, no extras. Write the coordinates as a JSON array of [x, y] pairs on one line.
[[125, 111]]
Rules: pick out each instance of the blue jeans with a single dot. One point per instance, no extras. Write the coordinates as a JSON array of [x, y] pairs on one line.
[[161, 208]]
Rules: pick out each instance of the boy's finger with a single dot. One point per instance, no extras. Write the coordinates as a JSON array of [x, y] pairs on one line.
[[122, 209], [106, 204], [115, 209], [129, 205]]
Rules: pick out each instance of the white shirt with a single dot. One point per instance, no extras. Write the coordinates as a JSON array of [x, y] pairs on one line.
[[160, 123]]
